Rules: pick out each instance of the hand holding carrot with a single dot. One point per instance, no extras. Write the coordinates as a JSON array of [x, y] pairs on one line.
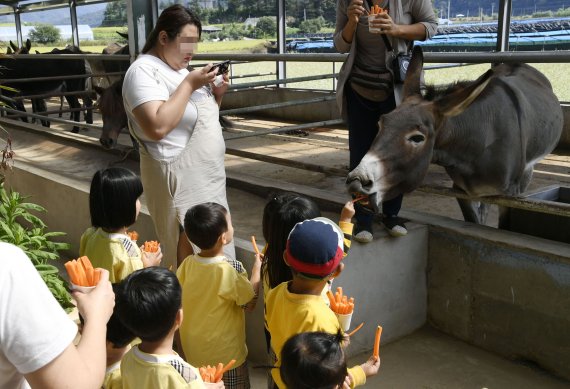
[[99, 303], [347, 212], [214, 374], [151, 258], [371, 366]]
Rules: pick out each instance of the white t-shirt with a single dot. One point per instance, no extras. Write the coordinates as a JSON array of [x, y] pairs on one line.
[[150, 79], [34, 329]]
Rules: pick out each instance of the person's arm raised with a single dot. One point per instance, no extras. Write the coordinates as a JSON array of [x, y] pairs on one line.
[[82, 366], [158, 118]]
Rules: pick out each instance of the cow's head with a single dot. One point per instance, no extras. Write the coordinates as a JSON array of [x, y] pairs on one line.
[[399, 157], [110, 104]]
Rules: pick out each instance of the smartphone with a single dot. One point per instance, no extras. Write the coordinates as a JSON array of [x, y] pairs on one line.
[[223, 67]]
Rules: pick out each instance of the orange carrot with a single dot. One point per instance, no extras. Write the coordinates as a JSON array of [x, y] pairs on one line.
[[73, 277], [81, 275], [331, 300], [96, 276], [376, 351], [359, 198], [230, 364], [133, 235], [255, 248], [354, 331], [151, 246]]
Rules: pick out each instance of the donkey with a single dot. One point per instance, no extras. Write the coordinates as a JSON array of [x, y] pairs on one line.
[[23, 66], [488, 134]]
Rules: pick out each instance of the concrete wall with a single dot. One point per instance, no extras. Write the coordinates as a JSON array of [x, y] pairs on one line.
[[320, 111], [386, 278], [505, 292]]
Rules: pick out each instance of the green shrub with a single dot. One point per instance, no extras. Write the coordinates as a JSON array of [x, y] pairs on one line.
[[19, 226]]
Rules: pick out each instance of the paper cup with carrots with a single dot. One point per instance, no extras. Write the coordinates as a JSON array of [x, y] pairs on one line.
[[82, 275], [374, 12], [342, 306]]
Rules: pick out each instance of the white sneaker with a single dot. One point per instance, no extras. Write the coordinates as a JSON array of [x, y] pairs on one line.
[[395, 226], [363, 237]]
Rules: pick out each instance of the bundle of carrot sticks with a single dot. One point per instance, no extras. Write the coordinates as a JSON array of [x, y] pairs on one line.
[[133, 235], [375, 10], [213, 374], [151, 246], [82, 273], [340, 303]]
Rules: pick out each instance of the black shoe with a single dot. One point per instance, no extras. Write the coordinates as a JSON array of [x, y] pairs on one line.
[[395, 226]]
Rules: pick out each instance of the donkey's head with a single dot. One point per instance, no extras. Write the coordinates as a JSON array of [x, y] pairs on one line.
[[110, 104], [401, 153]]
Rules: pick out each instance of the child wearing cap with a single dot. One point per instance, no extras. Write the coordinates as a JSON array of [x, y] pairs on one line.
[[314, 252]]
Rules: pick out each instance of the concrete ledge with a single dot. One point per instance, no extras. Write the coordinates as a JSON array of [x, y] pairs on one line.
[[505, 292]]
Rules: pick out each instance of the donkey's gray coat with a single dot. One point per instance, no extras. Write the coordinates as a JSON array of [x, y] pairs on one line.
[[488, 134]]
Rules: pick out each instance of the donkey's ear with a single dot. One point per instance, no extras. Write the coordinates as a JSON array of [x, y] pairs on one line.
[[13, 46], [28, 44], [455, 103], [414, 73]]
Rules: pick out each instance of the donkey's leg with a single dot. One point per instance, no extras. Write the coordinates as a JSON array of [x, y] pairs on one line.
[[504, 218], [88, 113]]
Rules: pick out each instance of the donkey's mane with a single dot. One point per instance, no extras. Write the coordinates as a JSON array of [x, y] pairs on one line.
[[435, 92]]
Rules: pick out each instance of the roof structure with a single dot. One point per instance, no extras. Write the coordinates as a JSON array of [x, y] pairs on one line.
[[7, 6]]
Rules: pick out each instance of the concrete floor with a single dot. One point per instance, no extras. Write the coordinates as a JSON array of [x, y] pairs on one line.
[[428, 359]]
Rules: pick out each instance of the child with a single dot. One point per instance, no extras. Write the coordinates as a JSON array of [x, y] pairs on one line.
[[114, 206], [215, 291], [316, 359], [148, 302], [280, 215], [119, 340], [314, 252]]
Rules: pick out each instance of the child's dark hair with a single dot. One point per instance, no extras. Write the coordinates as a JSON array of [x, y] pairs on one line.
[[281, 213], [117, 333], [204, 223], [112, 198], [313, 360], [147, 302]]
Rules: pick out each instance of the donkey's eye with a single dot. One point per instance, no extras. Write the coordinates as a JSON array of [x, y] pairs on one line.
[[416, 139]]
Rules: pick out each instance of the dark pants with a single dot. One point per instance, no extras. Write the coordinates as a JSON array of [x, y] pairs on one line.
[[363, 117]]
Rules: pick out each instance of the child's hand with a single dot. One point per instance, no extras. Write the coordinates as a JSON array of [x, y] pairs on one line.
[[371, 366], [347, 212], [151, 259], [215, 385], [258, 260], [347, 381]]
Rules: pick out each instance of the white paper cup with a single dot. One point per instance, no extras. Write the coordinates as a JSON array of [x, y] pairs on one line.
[[371, 29], [82, 289], [344, 320]]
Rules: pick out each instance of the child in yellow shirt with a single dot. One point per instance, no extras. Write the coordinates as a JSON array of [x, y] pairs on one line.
[[215, 291], [314, 252], [148, 302]]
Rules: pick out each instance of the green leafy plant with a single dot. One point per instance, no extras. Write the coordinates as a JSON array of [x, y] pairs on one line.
[[19, 226]]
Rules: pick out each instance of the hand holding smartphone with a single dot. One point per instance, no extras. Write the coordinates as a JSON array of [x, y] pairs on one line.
[[223, 67]]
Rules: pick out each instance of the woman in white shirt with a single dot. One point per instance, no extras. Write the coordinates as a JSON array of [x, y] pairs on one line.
[[174, 115]]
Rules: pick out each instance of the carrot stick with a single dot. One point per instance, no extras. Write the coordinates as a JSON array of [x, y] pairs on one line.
[[71, 271], [81, 274], [85, 262], [376, 351], [230, 364], [359, 198], [96, 276], [331, 299], [255, 248], [354, 331]]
